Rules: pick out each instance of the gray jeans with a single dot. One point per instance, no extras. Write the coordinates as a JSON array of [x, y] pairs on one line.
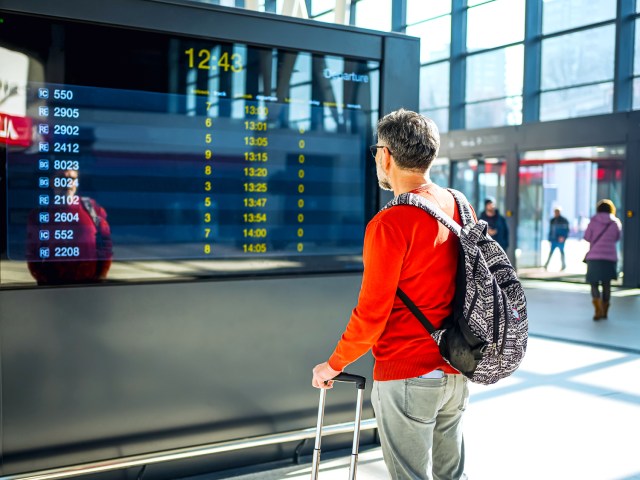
[[419, 420]]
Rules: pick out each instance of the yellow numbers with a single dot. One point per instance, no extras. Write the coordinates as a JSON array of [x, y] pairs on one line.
[[207, 186], [300, 232], [207, 138], [301, 188], [300, 173], [207, 170], [255, 187], [300, 218], [208, 154], [256, 156], [207, 248], [208, 122], [255, 202], [207, 218], [255, 232], [254, 217], [256, 110], [301, 144], [255, 247], [223, 62], [300, 158], [207, 232], [226, 62], [255, 172], [258, 126], [237, 65], [207, 201], [300, 203], [256, 141], [300, 247]]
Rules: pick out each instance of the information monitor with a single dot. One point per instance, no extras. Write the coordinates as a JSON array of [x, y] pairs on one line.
[[132, 155]]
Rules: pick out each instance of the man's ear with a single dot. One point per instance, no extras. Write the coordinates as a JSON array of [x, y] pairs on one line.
[[386, 159]]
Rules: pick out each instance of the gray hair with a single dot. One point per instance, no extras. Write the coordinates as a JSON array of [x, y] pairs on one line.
[[413, 139]]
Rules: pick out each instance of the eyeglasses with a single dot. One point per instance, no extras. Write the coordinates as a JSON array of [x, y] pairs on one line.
[[374, 149]]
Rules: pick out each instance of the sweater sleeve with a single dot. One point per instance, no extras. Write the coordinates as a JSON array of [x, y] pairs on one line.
[[383, 254]]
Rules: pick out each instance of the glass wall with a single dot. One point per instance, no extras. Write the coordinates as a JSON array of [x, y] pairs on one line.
[[571, 180], [374, 14], [636, 65], [431, 22], [578, 55], [495, 65], [570, 57]]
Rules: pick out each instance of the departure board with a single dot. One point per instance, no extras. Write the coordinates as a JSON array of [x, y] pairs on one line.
[[142, 147]]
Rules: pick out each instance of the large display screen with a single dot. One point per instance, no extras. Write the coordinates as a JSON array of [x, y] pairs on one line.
[[134, 155]]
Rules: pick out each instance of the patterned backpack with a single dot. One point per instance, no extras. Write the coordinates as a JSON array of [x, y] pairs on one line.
[[485, 338]]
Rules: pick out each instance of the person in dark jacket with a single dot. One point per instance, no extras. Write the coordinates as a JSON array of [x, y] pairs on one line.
[[603, 233], [558, 233], [498, 228]]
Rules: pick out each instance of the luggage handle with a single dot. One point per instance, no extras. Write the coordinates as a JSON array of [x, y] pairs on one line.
[[360, 382]]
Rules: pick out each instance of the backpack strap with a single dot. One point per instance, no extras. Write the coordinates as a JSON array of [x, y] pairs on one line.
[[416, 311], [429, 207], [97, 221], [464, 208], [88, 206]]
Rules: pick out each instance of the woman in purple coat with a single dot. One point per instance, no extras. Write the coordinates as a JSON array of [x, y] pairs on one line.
[[602, 234]]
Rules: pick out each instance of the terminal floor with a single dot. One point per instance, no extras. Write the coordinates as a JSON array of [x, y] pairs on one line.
[[572, 410]]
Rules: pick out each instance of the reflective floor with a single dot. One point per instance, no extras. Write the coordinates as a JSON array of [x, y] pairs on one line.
[[572, 410]]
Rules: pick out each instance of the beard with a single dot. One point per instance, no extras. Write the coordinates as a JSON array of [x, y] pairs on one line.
[[383, 180]]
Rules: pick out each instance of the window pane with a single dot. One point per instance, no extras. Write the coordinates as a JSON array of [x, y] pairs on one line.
[[494, 24], [418, 10], [496, 113], [374, 14], [581, 57], [495, 74], [434, 86], [320, 6], [440, 116], [636, 93], [560, 15], [435, 38], [636, 50], [577, 102]]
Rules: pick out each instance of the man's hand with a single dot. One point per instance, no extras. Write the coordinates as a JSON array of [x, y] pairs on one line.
[[322, 373], [561, 239], [492, 231]]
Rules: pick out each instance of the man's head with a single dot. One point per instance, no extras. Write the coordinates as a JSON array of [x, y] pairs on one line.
[[490, 206], [412, 139], [556, 212]]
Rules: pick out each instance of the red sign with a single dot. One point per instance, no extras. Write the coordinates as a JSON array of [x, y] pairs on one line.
[[15, 130]]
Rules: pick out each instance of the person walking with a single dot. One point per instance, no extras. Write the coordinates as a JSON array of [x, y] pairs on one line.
[[603, 233], [498, 228], [558, 233], [418, 398]]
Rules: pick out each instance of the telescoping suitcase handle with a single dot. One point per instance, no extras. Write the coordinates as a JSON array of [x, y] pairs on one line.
[[360, 383]]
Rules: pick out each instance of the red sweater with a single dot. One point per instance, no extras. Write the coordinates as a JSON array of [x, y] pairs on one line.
[[406, 247]]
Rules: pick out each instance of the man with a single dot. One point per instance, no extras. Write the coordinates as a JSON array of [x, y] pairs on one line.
[[558, 233], [417, 397], [498, 228]]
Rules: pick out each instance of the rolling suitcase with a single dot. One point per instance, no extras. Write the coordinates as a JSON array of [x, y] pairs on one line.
[[360, 383]]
